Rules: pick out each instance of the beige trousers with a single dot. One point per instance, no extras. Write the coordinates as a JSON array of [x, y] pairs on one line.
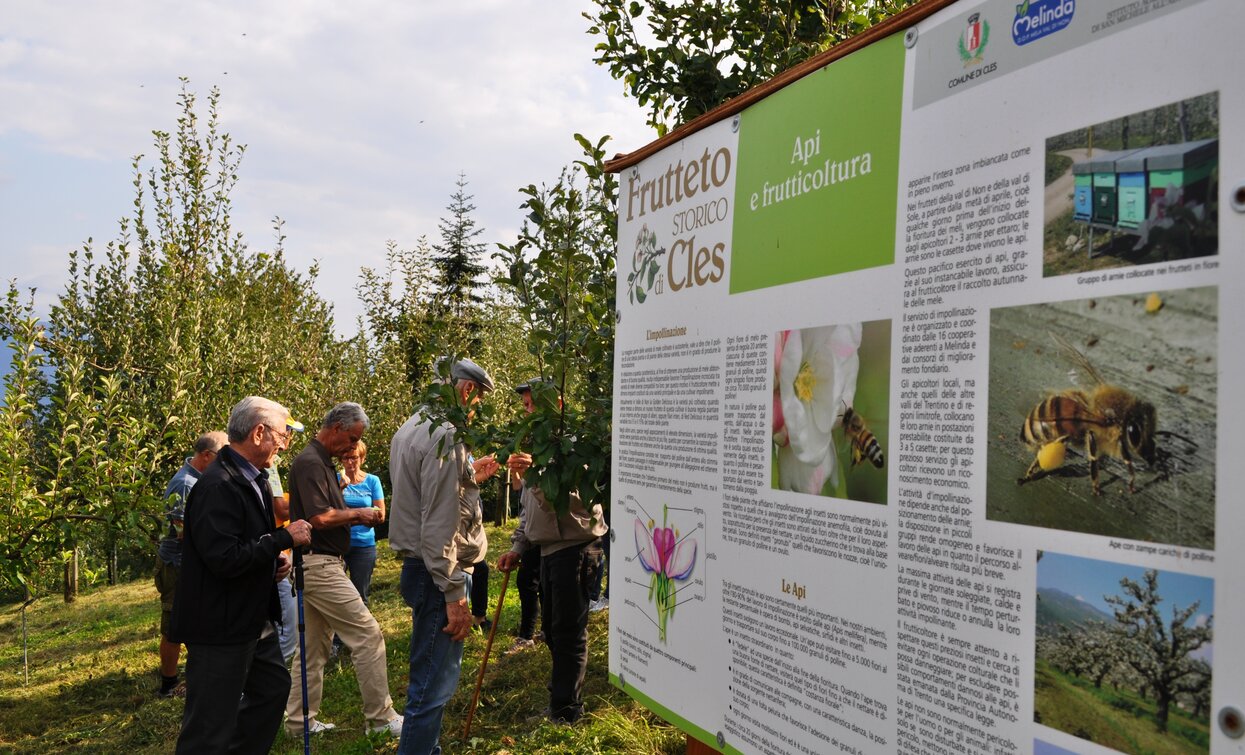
[[332, 604]]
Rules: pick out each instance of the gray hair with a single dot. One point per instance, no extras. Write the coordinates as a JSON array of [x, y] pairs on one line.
[[211, 441], [252, 411], [345, 415]]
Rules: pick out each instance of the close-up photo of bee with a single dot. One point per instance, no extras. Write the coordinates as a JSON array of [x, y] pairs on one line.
[[863, 443], [1102, 416], [831, 410]]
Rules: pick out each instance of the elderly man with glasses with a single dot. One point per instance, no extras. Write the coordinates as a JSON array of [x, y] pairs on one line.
[[226, 602], [331, 604]]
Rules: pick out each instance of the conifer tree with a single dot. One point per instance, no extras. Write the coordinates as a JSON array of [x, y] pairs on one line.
[[457, 258]]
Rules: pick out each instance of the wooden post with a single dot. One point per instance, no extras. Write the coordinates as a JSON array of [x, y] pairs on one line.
[[696, 747]]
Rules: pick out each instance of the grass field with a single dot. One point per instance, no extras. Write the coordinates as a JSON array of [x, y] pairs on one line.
[[93, 681], [1120, 720]]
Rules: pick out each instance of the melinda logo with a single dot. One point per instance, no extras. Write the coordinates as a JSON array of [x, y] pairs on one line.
[[1038, 18]]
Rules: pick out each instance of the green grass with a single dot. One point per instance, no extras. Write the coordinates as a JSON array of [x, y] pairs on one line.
[[93, 681], [1121, 720]]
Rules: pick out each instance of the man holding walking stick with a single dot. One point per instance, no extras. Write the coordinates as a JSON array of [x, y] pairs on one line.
[[435, 526], [570, 555], [226, 601]]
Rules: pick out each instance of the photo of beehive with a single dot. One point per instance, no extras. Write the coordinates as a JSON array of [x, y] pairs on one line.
[[1135, 190]]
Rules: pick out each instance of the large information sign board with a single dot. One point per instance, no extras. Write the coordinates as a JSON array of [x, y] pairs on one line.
[[923, 395]]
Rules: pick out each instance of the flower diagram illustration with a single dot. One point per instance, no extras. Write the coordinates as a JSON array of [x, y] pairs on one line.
[[669, 559]]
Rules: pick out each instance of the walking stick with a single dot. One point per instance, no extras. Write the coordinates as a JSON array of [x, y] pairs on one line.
[[488, 647], [302, 646]]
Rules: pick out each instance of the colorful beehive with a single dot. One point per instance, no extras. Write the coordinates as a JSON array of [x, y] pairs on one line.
[[1133, 194], [1083, 191], [1106, 189], [1186, 166]]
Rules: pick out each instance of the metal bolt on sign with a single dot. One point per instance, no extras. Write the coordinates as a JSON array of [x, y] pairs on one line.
[[1231, 722], [721, 740], [1238, 197], [909, 37]]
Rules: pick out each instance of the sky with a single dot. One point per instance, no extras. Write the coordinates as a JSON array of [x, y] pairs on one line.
[[357, 117]]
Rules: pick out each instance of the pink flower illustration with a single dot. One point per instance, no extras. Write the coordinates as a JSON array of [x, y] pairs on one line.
[[668, 558]]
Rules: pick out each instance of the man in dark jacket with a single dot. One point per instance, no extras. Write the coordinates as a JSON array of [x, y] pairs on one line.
[[236, 680]]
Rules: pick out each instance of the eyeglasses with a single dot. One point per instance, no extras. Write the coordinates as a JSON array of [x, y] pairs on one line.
[[352, 458], [283, 436]]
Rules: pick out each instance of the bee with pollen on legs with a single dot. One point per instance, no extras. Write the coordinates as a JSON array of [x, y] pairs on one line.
[[1105, 421]]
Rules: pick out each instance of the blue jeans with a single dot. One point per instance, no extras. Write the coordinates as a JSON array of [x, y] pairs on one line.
[[287, 630], [360, 562], [436, 661]]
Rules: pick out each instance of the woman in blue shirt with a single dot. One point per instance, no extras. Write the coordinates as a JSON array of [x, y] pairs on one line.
[[361, 490]]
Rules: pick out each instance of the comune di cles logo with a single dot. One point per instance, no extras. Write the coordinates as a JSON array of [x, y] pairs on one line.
[[1039, 18], [973, 40]]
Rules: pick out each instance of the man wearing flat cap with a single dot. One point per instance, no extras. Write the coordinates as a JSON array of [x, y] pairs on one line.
[[570, 553], [435, 525]]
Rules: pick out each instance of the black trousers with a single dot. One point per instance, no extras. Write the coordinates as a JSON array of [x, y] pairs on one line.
[[235, 695], [528, 581], [479, 589], [565, 578]]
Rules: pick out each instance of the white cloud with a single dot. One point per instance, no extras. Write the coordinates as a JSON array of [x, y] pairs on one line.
[[357, 117]]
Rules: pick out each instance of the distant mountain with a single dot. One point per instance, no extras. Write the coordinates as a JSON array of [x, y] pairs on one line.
[[1057, 608]]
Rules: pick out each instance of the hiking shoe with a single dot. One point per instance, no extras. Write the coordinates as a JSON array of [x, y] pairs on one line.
[[177, 690], [484, 624], [520, 644], [315, 726], [599, 605], [546, 714], [393, 727]]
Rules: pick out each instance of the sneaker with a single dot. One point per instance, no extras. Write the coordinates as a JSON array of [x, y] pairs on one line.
[[599, 605], [483, 623], [520, 644], [314, 727], [393, 728]]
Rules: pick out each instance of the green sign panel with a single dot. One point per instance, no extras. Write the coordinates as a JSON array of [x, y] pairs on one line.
[[818, 173]]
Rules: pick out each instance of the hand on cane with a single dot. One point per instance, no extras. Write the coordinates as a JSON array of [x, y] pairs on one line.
[[300, 531], [508, 561]]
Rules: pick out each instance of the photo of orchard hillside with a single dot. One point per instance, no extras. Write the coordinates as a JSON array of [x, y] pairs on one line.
[[1123, 655]]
